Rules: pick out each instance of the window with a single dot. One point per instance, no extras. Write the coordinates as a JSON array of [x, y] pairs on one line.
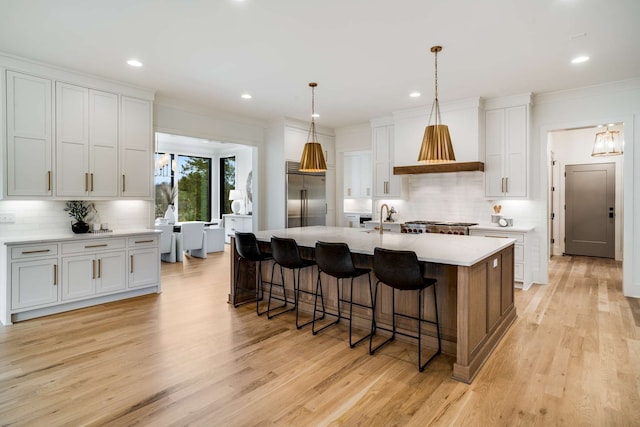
[[227, 182], [185, 182], [194, 188]]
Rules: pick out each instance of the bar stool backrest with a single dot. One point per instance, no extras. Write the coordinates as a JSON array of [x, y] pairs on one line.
[[247, 246], [398, 269], [286, 253], [335, 259]]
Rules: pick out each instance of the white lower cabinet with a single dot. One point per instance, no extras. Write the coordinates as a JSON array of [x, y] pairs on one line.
[[59, 275], [87, 275], [522, 271], [142, 267], [233, 223], [34, 283]]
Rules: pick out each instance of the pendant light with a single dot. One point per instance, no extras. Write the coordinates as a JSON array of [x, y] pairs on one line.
[[608, 143], [312, 156], [436, 143]]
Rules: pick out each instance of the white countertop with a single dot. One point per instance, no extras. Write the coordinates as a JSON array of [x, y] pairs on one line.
[[436, 248], [40, 238], [496, 227]]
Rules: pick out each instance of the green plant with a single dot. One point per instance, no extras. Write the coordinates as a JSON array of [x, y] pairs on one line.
[[80, 209]]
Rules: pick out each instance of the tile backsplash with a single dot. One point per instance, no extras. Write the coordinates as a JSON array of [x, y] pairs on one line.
[[457, 196], [49, 217]]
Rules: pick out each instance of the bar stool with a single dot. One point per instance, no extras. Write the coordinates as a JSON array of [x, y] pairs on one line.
[[334, 259], [248, 249], [401, 271], [287, 255]]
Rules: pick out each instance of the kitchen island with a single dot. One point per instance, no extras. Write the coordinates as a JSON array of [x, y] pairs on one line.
[[475, 285]]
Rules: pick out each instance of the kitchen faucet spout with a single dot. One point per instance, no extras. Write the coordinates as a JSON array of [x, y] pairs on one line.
[[384, 205]]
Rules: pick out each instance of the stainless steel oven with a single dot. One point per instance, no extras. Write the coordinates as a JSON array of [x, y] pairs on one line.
[[442, 227]]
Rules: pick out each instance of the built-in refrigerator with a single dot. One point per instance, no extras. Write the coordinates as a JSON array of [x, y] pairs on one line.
[[306, 202]]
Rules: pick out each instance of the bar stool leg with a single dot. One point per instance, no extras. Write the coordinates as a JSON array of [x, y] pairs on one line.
[[284, 293], [319, 292], [351, 343], [393, 316]]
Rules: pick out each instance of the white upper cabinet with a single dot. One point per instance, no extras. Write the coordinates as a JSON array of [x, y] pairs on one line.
[[506, 160], [86, 142], [357, 176], [385, 184], [73, 136], [29, 136], [103, 144], [136, 155]]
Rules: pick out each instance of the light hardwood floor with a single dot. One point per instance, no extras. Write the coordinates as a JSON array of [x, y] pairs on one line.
[[185, 357]]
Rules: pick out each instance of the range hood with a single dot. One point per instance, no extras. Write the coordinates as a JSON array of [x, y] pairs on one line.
[[439, 168]]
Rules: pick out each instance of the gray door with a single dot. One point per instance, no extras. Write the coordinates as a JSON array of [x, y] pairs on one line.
[[590, 215]]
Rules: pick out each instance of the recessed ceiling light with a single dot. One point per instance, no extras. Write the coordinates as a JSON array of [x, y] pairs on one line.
[[611, 124], [316, 115], [414, 94], [134, 63], [579, 59], [246, 96]]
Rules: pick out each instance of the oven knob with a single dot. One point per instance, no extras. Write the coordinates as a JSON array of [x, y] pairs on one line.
[[449, 232], [442, 232]]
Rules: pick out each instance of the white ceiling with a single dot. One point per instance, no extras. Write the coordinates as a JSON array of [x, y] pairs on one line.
[[366, 55]]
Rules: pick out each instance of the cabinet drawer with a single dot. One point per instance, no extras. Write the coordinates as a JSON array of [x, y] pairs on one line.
[[501, 234], [33, 251], [92, 246], [518, 253], [142, 241], [518, 272]]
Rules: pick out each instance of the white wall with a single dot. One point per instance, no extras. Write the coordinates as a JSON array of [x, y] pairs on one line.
[[181, 118], [465, 119], [610, 103], [573, 147]]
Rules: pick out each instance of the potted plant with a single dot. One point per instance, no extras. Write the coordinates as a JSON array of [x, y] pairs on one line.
[[80, 210]]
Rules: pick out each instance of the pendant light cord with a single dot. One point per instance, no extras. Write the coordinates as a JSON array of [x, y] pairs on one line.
[[312, 128], [436, 103]]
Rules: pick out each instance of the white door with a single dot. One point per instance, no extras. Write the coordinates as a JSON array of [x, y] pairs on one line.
[[103, 144], [135, 148], [144, 268], [34, 283], [79, 276], [29, 136], [110, 274], [72, 140]]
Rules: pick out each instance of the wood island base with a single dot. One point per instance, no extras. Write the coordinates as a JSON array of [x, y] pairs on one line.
[[475, 303]]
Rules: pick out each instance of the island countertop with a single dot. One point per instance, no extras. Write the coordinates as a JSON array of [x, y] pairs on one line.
[[436, 248]]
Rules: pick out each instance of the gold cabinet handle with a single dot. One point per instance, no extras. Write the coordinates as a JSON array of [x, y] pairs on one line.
[[35, 252], [95, 246], [131, 263], [86, 181], [92, 182], [506, 185], [124, 183], [93, 268], [144, 241], [49, 181], [99, 268], [55, 274]]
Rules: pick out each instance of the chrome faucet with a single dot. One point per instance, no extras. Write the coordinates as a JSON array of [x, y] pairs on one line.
[[384, 205]]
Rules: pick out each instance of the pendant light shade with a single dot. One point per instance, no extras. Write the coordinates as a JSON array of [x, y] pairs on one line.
[[312, 155], [436, 143], [608, 143]]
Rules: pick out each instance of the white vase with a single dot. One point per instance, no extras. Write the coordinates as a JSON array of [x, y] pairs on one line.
[[169, 215]]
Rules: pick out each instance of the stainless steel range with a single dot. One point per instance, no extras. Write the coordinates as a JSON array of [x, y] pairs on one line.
[[442, 227]]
